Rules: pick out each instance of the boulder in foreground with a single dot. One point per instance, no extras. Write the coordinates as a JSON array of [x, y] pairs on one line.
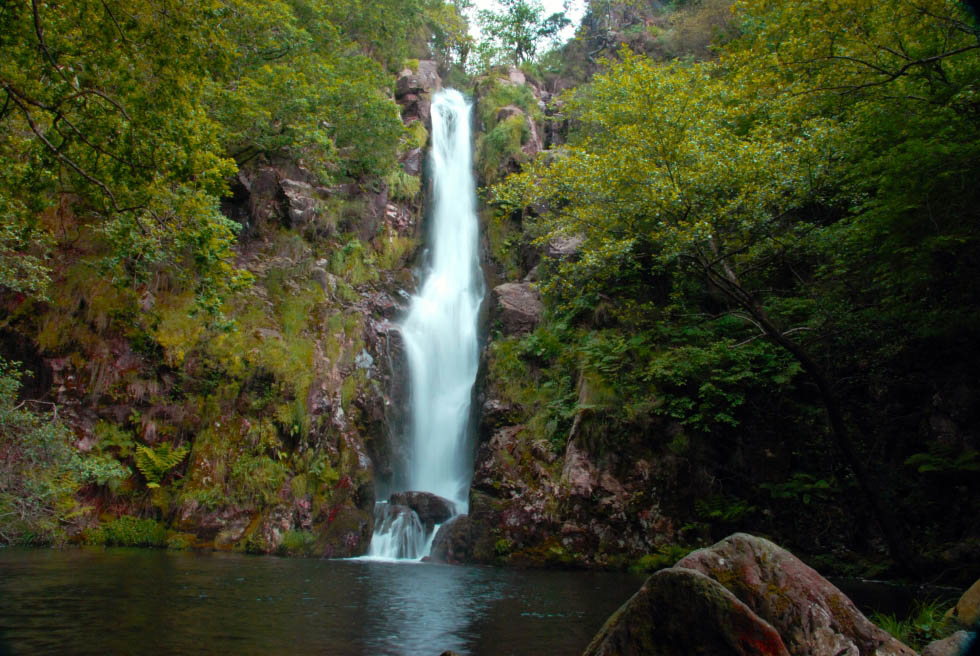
[[811, 614], [682, 612]]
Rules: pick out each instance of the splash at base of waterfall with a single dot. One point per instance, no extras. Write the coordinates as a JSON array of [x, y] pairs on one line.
[[399, 534]]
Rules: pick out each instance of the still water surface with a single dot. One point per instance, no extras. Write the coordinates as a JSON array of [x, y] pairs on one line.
[[121, 601]]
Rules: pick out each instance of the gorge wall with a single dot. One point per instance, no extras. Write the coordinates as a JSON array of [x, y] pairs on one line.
[[268, 433]]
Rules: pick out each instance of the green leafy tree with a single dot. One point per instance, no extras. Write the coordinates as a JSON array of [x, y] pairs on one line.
[[515, 32], [769, 176]]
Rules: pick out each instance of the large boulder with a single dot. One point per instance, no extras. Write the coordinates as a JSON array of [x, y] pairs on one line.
[[811, 614], [954, 645], [518, 307], [425, 79], [342, 531], [431, 508], [682, 612], [453, 542], [564, 246], [302, 201], [967, 609]]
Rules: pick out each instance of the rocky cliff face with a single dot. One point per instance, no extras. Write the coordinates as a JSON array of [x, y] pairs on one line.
[[530, 503], [267, 429]]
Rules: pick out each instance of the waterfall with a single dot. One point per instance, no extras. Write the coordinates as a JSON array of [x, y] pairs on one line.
[[440, 337]]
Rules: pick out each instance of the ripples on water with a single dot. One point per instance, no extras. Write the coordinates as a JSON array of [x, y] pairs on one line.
[[120, 601]]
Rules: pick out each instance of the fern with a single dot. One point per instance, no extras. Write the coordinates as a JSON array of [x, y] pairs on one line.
[[154, 463]]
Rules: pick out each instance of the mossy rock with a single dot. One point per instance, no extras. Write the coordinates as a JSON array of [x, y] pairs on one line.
[[342, 531]]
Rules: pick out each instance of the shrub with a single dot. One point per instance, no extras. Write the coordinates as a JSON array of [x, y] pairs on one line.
[[926, 623], [128, 531]]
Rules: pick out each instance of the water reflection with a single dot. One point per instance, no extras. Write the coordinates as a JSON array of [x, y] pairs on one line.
[[424, 607], [153, 602]]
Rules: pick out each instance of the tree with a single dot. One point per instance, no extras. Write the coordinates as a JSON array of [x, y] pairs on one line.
[[515, 33], [766, 176]]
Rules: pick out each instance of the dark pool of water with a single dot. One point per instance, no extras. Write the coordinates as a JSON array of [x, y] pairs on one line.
[[121, 601]]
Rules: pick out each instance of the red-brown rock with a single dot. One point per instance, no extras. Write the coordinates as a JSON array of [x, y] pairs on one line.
[[811, 614], [431, 508], [517, 306], [679, 612]]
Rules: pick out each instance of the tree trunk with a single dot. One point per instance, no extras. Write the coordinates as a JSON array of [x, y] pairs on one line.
[[727, 282], [889, 526]]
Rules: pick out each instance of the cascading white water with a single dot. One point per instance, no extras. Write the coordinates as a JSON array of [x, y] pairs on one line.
[[440, 334]]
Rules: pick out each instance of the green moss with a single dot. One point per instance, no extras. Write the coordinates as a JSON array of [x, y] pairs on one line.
[[297, 543], [417, 135], [497, 94], [354, 263], [255, 480], [402, 185], [393, 251], [663, 557], [180, 541], [549, 553], [127, 531], [499, 144], [504, 239]]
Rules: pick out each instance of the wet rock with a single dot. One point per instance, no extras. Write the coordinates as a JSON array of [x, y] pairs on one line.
[[268, 534], [518, 307], [682, 612], [967, 609], [228, 523], [495, 472], [342, 531], [535, 141], [496, 414], [811, 614], [453, 543], [431, 508], [954, 645], [231, 532]]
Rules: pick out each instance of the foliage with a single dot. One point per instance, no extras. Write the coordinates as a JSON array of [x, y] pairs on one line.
[[665, 556], [803, 487], [39, 470], [504, 131], [121, 122], [927, 623], [155, 462], [128, 531], [514, 32], [255, 480], [402, 185], [764, 209], [944, 461]]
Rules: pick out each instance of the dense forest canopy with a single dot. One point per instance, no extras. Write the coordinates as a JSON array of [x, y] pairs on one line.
[[798, 209]]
